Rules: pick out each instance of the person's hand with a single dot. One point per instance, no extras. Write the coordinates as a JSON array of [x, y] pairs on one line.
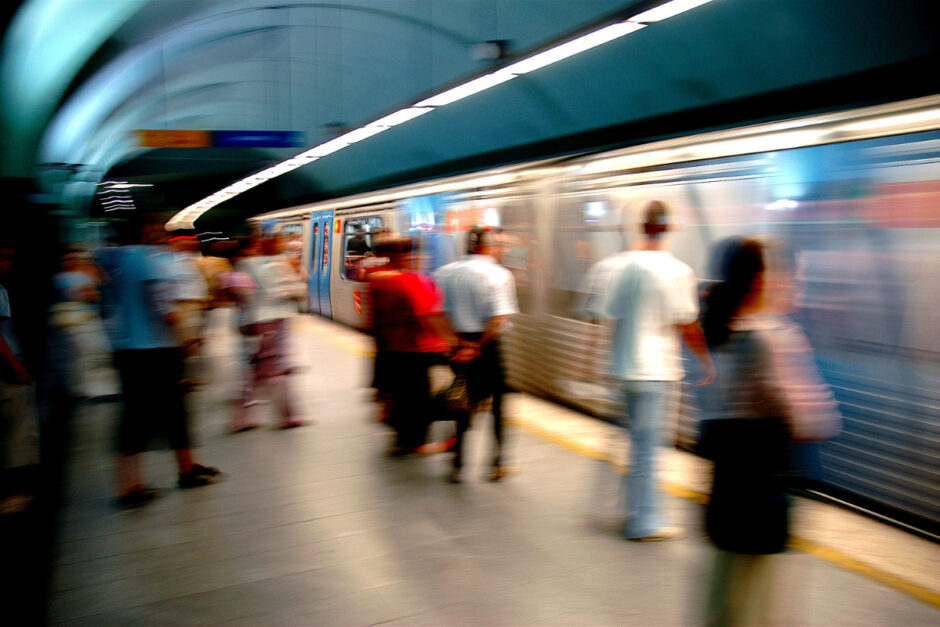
[[708, 375], [190, 345], [465, 354]]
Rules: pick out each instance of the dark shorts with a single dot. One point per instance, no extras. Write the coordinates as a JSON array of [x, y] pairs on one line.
[[154, 410]]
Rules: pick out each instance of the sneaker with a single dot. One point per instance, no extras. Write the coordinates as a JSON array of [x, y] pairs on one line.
[[136, 498], [666, 533], [437, 447], [455, 476], [242, 426], [293, 423], [499, 472], [198, 476]]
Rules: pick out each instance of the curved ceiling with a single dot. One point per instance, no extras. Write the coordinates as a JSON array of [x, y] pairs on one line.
[[317, 67]]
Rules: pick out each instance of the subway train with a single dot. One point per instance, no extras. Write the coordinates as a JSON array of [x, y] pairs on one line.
[[854, 195]]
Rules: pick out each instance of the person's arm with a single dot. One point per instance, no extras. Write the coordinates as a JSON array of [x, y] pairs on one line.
[[694, 338], [20, 373], [162, 296]]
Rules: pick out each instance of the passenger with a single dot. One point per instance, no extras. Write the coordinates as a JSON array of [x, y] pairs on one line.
[[411, 335], [272, 306], [192, 296], [213, 266], [77, 312], [767, 392], [19, 428], [479, 299], [237, 287], [653, 301], [372, 265], [150, 345]]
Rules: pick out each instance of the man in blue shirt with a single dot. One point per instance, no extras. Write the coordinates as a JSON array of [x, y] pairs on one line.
[[149, 349]]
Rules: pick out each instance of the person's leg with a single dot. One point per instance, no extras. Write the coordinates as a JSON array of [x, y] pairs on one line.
[[645, 403], [253, 381], [133, 428], [719, 592]]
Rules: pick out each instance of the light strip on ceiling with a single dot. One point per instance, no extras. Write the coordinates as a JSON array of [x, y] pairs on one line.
[[573, 47], [467, 89], [665, 11], [186, 217]]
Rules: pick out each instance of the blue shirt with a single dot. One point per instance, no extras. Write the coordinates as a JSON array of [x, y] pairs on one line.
[[136, 323], [65, 282]]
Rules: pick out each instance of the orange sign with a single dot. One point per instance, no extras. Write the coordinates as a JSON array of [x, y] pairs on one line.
[[174, 139]]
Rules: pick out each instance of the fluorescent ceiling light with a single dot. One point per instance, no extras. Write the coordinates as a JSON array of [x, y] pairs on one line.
[[482, 83], [362, 133], [467, 89], [325, 149], [400, 117], [667, 10], [573, 47], [903, 120]]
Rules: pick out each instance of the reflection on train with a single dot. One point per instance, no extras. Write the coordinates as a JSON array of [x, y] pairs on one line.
[[855, 195]]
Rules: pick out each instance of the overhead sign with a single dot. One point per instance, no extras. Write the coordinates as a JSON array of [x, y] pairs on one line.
[[174, 139], [160, 138], [259, 139]]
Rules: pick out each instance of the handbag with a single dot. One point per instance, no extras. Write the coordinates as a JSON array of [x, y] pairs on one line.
[[455, 400]]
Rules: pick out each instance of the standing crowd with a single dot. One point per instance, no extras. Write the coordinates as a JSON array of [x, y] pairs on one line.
[[758, 387]]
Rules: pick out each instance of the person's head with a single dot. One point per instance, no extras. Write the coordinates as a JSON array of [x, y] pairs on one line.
[[184, 241], [741, 265], [399, 250], [73, 259], [153, 228], [272, 245], [655, 220], [483, 240]]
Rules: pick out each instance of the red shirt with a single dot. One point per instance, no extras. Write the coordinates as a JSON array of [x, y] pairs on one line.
[[400, 300]]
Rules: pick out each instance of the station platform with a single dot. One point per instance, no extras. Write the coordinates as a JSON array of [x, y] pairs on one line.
[[317, 525]]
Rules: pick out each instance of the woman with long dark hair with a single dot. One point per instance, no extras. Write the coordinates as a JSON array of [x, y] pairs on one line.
[[766, 394]]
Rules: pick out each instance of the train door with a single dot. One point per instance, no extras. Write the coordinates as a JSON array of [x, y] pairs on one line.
[[323, 266], [313, 275]]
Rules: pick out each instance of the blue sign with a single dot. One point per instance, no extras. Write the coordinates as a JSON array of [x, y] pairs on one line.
[[259, 139]]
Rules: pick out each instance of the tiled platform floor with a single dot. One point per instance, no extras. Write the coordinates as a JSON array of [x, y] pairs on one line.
[[317, 526]]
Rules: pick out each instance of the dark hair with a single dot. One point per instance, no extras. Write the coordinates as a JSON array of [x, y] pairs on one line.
[[739, 261], [656, 219], [477, 238], [395, 245]]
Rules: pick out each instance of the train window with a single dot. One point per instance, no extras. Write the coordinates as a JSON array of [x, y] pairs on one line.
[[326, 247], [519, 249], [357, 244], [587, 229]]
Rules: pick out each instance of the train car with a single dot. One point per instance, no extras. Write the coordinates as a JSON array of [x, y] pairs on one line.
[[854, 195]]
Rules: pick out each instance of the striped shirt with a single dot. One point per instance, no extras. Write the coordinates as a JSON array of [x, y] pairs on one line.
[[476, 288]]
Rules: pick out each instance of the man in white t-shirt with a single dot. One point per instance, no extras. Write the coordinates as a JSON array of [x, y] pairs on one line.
[[652, 298]]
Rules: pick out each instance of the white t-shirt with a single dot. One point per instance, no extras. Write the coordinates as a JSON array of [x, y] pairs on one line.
[[649, 294], [476, 289]]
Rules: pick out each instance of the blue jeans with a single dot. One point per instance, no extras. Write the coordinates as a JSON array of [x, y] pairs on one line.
[[647, 404]]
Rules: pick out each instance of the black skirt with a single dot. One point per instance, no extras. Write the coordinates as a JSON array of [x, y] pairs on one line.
[[748, 511]]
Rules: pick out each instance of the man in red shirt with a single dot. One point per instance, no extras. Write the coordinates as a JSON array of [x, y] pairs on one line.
[[411, 335]]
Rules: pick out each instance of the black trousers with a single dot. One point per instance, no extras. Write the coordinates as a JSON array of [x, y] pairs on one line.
[[485, 378], [153, 400], [406, 376]]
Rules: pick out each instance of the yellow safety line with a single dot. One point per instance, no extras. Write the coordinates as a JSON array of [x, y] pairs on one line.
[[850, 563], [796, 543]]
